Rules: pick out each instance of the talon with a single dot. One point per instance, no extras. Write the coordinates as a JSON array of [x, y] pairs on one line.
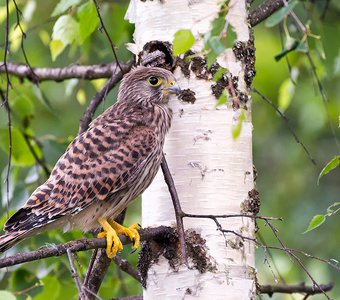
[[113, 243], [133, 250], [131, 232]]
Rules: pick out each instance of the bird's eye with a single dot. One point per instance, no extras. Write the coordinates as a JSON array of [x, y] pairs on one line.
[[154, 81]]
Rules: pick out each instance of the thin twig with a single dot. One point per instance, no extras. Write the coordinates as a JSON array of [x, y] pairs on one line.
[[296, 258], [74, 272], [323, 96], [59, 74], [107, 35], [7, 107], [283, 116], [40, 162], [100, 96], [291, 289], [125, 266], [177, 207], [23, 36]]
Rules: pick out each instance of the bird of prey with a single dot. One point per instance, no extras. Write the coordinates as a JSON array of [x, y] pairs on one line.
[[105, 167]]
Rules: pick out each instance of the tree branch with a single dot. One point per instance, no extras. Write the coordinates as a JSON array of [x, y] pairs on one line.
[[100, 96], [265, 10], [60, 74], [291, 289], [146, 234]]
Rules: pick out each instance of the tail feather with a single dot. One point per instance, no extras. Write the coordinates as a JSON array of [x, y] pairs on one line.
[[8, 240]]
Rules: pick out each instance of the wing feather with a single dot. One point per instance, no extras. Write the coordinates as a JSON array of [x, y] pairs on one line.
[[101, 161]]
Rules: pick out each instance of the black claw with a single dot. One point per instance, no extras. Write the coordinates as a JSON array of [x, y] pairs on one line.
[[133, 250], [140, 226], [133, 241]]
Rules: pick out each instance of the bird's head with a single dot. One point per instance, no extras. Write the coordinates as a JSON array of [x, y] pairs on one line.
[[150, 84]]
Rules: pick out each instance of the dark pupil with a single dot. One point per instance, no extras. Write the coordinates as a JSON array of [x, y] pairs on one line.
[[153, 80]]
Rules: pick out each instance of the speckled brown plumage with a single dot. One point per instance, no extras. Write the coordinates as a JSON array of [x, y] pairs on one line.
[[107, 166]]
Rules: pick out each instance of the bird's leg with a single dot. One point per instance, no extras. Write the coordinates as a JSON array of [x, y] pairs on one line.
[[131, 232], [113, 243]]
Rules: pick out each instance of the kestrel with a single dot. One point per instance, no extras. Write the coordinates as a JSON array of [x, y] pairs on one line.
[[104, 168]]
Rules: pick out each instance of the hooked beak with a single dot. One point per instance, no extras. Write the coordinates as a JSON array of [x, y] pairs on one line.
[[171, 87]]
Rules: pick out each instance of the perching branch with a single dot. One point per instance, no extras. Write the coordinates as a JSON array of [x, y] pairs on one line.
[[146, 234], [291, 289], [264, 10], [60, 74]]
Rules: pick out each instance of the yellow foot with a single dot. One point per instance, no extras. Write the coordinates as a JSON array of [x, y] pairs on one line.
[[113, 243], [111, 230], [131, 232]]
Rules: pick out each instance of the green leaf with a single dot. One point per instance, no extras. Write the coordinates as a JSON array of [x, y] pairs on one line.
[[51, 289], [65, 32], [23, 106], [5, 295], [63, 5], [88, 20], [219, 74], [278, 16], [216, 45], [290, 47], [183, 41], [286, 93], [329, 167], [316, 221], [21, 154], [222, 100], [236, 130]]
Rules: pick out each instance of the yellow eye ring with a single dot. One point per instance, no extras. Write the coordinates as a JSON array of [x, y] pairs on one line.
[[154, 81]]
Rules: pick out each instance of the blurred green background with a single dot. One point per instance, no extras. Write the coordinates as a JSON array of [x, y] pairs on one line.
[[287, 180]]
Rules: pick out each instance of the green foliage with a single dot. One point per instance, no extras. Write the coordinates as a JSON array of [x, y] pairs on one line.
[[5, 295], [236, 130], [64, 5], [287, 90], [183, 41], [318, 220], [222, 100], [278, 16], [65, 32], [88, 20], [329, 167], [21, 154]]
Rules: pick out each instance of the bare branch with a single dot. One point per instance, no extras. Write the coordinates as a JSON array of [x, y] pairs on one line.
[[265, 10], [74, 272], [60, 74], [146, 234], [291, 289], [177, 207], [283, 116], [100, 96], [7, 107], [107, 35], [125, 266]]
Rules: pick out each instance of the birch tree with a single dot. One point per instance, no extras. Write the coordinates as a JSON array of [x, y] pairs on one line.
[[212, 171]]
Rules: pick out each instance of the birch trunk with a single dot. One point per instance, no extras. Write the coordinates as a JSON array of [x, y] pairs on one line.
[[212, 172]]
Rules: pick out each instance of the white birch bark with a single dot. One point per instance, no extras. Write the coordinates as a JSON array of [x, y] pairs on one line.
[[212, 172]]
